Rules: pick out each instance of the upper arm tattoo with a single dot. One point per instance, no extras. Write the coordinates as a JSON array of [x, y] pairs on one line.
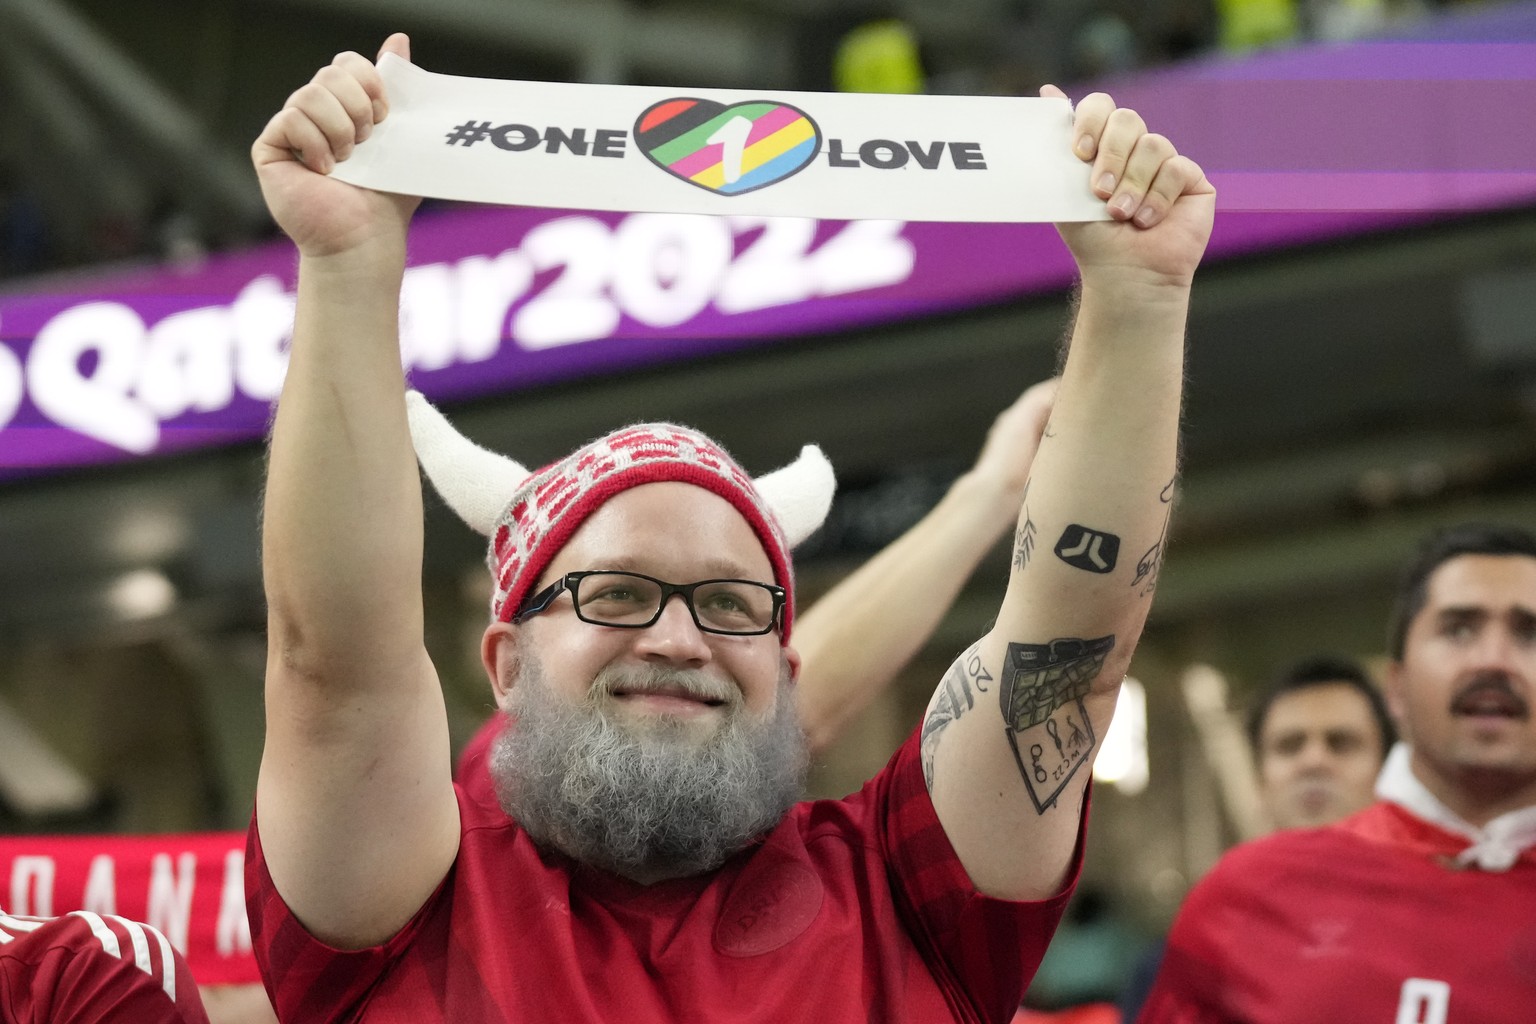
[[1150, 565], [1091, 550], [1047, 724], [955, 696], [1024, 539]]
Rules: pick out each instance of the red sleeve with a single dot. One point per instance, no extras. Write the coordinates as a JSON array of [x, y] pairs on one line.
[[984, 951], [306, 979], [86, 968], [1193, 985]]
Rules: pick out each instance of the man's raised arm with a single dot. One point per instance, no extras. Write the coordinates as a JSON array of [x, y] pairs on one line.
[[1012, 730], [858, 636], [355, 809]]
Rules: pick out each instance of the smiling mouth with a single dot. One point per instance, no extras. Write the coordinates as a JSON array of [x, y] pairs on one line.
[[669, 693]]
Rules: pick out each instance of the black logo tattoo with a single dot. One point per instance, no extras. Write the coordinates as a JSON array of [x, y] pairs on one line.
[[1090, 550], [1047, 725]]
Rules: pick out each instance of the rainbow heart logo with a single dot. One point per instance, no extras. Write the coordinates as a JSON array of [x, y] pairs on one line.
[[727, 149]]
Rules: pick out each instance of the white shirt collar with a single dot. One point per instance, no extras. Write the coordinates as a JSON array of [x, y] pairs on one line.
[[1495, 847]]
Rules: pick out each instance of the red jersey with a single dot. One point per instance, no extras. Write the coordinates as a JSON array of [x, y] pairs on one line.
[[473, 771], [87, 968], [849, 910], [1365, 920]]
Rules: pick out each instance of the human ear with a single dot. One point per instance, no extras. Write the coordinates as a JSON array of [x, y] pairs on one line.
[[498, 656], [792, 659]]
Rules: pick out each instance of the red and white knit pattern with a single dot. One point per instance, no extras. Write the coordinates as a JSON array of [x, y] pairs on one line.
[[552, 503]]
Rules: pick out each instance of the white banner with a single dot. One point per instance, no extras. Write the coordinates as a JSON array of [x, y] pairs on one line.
[[834, 156]]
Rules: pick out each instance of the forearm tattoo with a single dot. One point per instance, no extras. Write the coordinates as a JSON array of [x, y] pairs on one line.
[[1047, 724], [1024, 539], [1150, 565], [1088, 549], [955, 696]]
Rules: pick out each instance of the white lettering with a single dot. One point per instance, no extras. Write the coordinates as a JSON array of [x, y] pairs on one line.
[[32, 886], [96, 367], [188, 363], [101, 886], [170, 896], [666, 269], [97, 405], [12, 385], [1423, 1001], [263, 314], [865, 254], [232, 934], [574, 306], [772, 270], [486, 289]]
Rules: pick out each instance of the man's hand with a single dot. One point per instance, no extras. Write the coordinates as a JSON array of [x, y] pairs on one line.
[[1161, 203], [318, 127]]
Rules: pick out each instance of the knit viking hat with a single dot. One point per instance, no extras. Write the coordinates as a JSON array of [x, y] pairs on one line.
[[530, 516]]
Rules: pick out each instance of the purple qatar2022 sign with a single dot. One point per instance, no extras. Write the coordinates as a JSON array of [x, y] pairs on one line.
[[1304, 145]]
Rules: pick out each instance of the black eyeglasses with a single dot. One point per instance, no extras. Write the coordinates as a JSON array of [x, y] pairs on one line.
[[629, 600]]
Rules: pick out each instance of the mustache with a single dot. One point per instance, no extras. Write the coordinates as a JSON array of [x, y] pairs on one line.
[[691, 683], [1491, 684]]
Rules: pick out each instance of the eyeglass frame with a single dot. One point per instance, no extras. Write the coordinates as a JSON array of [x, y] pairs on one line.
[[571, 582]]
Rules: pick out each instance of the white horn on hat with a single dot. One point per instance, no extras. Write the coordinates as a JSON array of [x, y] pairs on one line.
[[800, 494], [475, 482]]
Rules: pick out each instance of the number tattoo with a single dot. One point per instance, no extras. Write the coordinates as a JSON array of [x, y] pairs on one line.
[[1041, 698], [953, 698]]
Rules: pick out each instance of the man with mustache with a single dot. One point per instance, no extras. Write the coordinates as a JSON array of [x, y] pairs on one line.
[[858, 636], [1420, 909], [651, 863]]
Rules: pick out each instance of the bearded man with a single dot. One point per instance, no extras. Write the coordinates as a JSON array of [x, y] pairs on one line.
[[650, 863]]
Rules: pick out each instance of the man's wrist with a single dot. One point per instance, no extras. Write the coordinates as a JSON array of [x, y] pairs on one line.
[[1118, 287], [370, 267]]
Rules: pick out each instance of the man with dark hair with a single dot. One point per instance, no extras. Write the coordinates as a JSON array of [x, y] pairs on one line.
[[1420, 908], [1319, 735], [649, 861]]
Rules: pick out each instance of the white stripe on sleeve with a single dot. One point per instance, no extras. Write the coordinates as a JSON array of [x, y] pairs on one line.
[[106, 936], [140, 944]]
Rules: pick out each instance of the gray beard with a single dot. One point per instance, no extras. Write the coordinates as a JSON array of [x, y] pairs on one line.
[[644, 803]]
